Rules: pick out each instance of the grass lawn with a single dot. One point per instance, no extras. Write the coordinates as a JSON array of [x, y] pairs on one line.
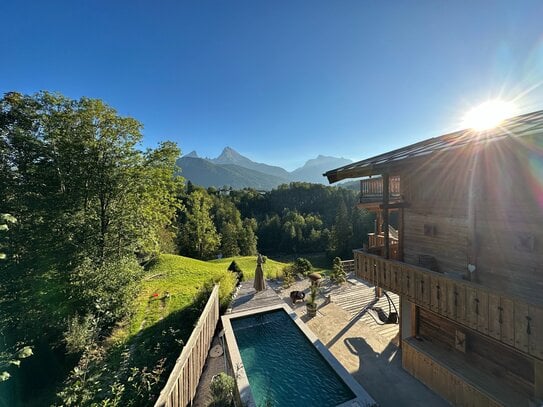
[[171, 284], [272, 268]]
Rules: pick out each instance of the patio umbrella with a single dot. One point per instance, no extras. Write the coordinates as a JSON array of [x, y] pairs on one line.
[[260, 283]]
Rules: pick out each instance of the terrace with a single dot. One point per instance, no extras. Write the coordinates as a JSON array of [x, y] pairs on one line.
[[369, 351]]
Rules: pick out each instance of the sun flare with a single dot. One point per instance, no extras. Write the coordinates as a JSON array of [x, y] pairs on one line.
[[488, 115]]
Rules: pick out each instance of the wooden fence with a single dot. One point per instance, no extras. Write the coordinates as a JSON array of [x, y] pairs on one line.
[[180, 389]]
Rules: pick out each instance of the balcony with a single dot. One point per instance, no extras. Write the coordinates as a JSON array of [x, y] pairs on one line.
[[376, 243], [371, 190], [507, 319]]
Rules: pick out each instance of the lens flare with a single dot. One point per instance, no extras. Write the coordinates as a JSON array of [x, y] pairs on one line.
[[489, 115]]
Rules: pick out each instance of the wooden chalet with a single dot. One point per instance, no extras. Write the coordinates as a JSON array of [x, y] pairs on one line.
[[466, 260]]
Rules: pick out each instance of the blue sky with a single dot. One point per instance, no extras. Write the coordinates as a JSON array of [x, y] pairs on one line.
[[279, 81]]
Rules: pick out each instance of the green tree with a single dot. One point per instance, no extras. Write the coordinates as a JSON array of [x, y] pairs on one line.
[[198, 236], [338, 274], [247, 238]]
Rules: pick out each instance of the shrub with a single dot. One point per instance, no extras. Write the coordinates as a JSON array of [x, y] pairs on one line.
[[288, 276], [105, 290], [338, 274], [302, 266], [81, 333], [222, 390]]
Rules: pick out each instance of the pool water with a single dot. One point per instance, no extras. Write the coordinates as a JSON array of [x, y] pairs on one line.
[[282, 365]]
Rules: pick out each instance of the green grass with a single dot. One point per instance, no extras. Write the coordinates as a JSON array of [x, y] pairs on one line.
[[319, 261], [272, 268], [181, 278]]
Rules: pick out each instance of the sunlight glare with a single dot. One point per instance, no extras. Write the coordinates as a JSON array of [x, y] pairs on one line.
[[489, 115]]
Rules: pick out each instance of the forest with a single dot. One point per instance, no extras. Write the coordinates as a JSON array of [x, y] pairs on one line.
[[87, 214]]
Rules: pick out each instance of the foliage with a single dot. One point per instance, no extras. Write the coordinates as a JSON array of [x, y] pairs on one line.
[[8, 359], [132, 369], [81, 333], [90, 205], [222, 390], [338, 274], [302, 266], [234, 268], [288, 275], [313, 290], [198, 236], [105, 290]]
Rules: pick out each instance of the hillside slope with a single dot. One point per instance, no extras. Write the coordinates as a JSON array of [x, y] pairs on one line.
[[204, 173]]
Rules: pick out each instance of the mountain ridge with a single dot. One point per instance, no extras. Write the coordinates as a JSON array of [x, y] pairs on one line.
[[233, 169]]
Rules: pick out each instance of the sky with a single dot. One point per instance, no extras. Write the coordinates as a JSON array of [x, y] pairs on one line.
[[280, 81]]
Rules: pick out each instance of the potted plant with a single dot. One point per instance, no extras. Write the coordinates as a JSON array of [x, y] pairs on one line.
[[311, 305]]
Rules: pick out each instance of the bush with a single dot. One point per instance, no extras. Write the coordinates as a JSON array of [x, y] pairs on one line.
[[235, 268], [338, 274], [288, 276], [302, 266], [222, 390], [107, 290], [81, 333]]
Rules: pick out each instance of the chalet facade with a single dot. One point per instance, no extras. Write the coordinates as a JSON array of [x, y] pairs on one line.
[[466, 258]]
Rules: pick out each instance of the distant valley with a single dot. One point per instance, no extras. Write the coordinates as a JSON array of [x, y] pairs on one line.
[[232, 169]]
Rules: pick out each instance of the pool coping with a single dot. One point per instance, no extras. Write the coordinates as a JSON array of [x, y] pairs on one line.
[[363, 399]]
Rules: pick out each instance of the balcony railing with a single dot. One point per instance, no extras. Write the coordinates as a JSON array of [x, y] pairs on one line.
[[371, 189], [508, 319]]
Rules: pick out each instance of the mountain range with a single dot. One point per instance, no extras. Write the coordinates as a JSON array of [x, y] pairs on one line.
[[232, 169]]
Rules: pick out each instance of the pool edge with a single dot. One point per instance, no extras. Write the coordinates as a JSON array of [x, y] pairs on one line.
[[363, 399]]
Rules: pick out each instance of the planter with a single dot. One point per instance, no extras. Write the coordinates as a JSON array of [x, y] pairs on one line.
[[311, 309]]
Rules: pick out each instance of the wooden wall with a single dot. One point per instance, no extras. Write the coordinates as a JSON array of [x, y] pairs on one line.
[[486, 208], [437, 197]]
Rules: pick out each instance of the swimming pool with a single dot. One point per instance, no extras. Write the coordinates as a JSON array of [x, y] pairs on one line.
[[279, 362]]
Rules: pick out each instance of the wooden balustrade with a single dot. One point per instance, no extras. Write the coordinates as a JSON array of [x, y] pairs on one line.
[[372, 188], [510, 320], [180, 389]]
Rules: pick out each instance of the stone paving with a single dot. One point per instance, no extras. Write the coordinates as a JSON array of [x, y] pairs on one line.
[[372, 358]]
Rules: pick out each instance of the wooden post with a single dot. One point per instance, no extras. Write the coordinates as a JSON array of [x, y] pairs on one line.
[[386, 183], [386, 253]]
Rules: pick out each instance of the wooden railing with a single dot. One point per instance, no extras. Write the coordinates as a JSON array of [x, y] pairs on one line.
[[180, 388], [378, 242], [348, 266], [510, 320], [372, 188]]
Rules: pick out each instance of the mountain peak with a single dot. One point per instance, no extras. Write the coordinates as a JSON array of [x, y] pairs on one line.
[[192, 154], [229, 152]]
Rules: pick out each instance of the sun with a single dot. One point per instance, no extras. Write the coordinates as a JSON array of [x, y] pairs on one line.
[[488, 115]]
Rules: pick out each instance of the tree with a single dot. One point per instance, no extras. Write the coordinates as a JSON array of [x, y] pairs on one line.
[[85, 196], [338, 274], [247, 238], [198, 236]]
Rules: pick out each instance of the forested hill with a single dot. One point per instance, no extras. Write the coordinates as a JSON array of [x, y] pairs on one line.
[[234, 170], [203, 172]]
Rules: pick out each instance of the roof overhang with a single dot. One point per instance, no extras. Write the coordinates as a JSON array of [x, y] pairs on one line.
[[390, 162]]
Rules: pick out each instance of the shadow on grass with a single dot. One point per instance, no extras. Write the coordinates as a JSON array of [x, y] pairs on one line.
[[162, 341]]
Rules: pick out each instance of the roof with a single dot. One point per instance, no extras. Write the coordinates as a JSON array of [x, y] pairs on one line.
[[517, 126]]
